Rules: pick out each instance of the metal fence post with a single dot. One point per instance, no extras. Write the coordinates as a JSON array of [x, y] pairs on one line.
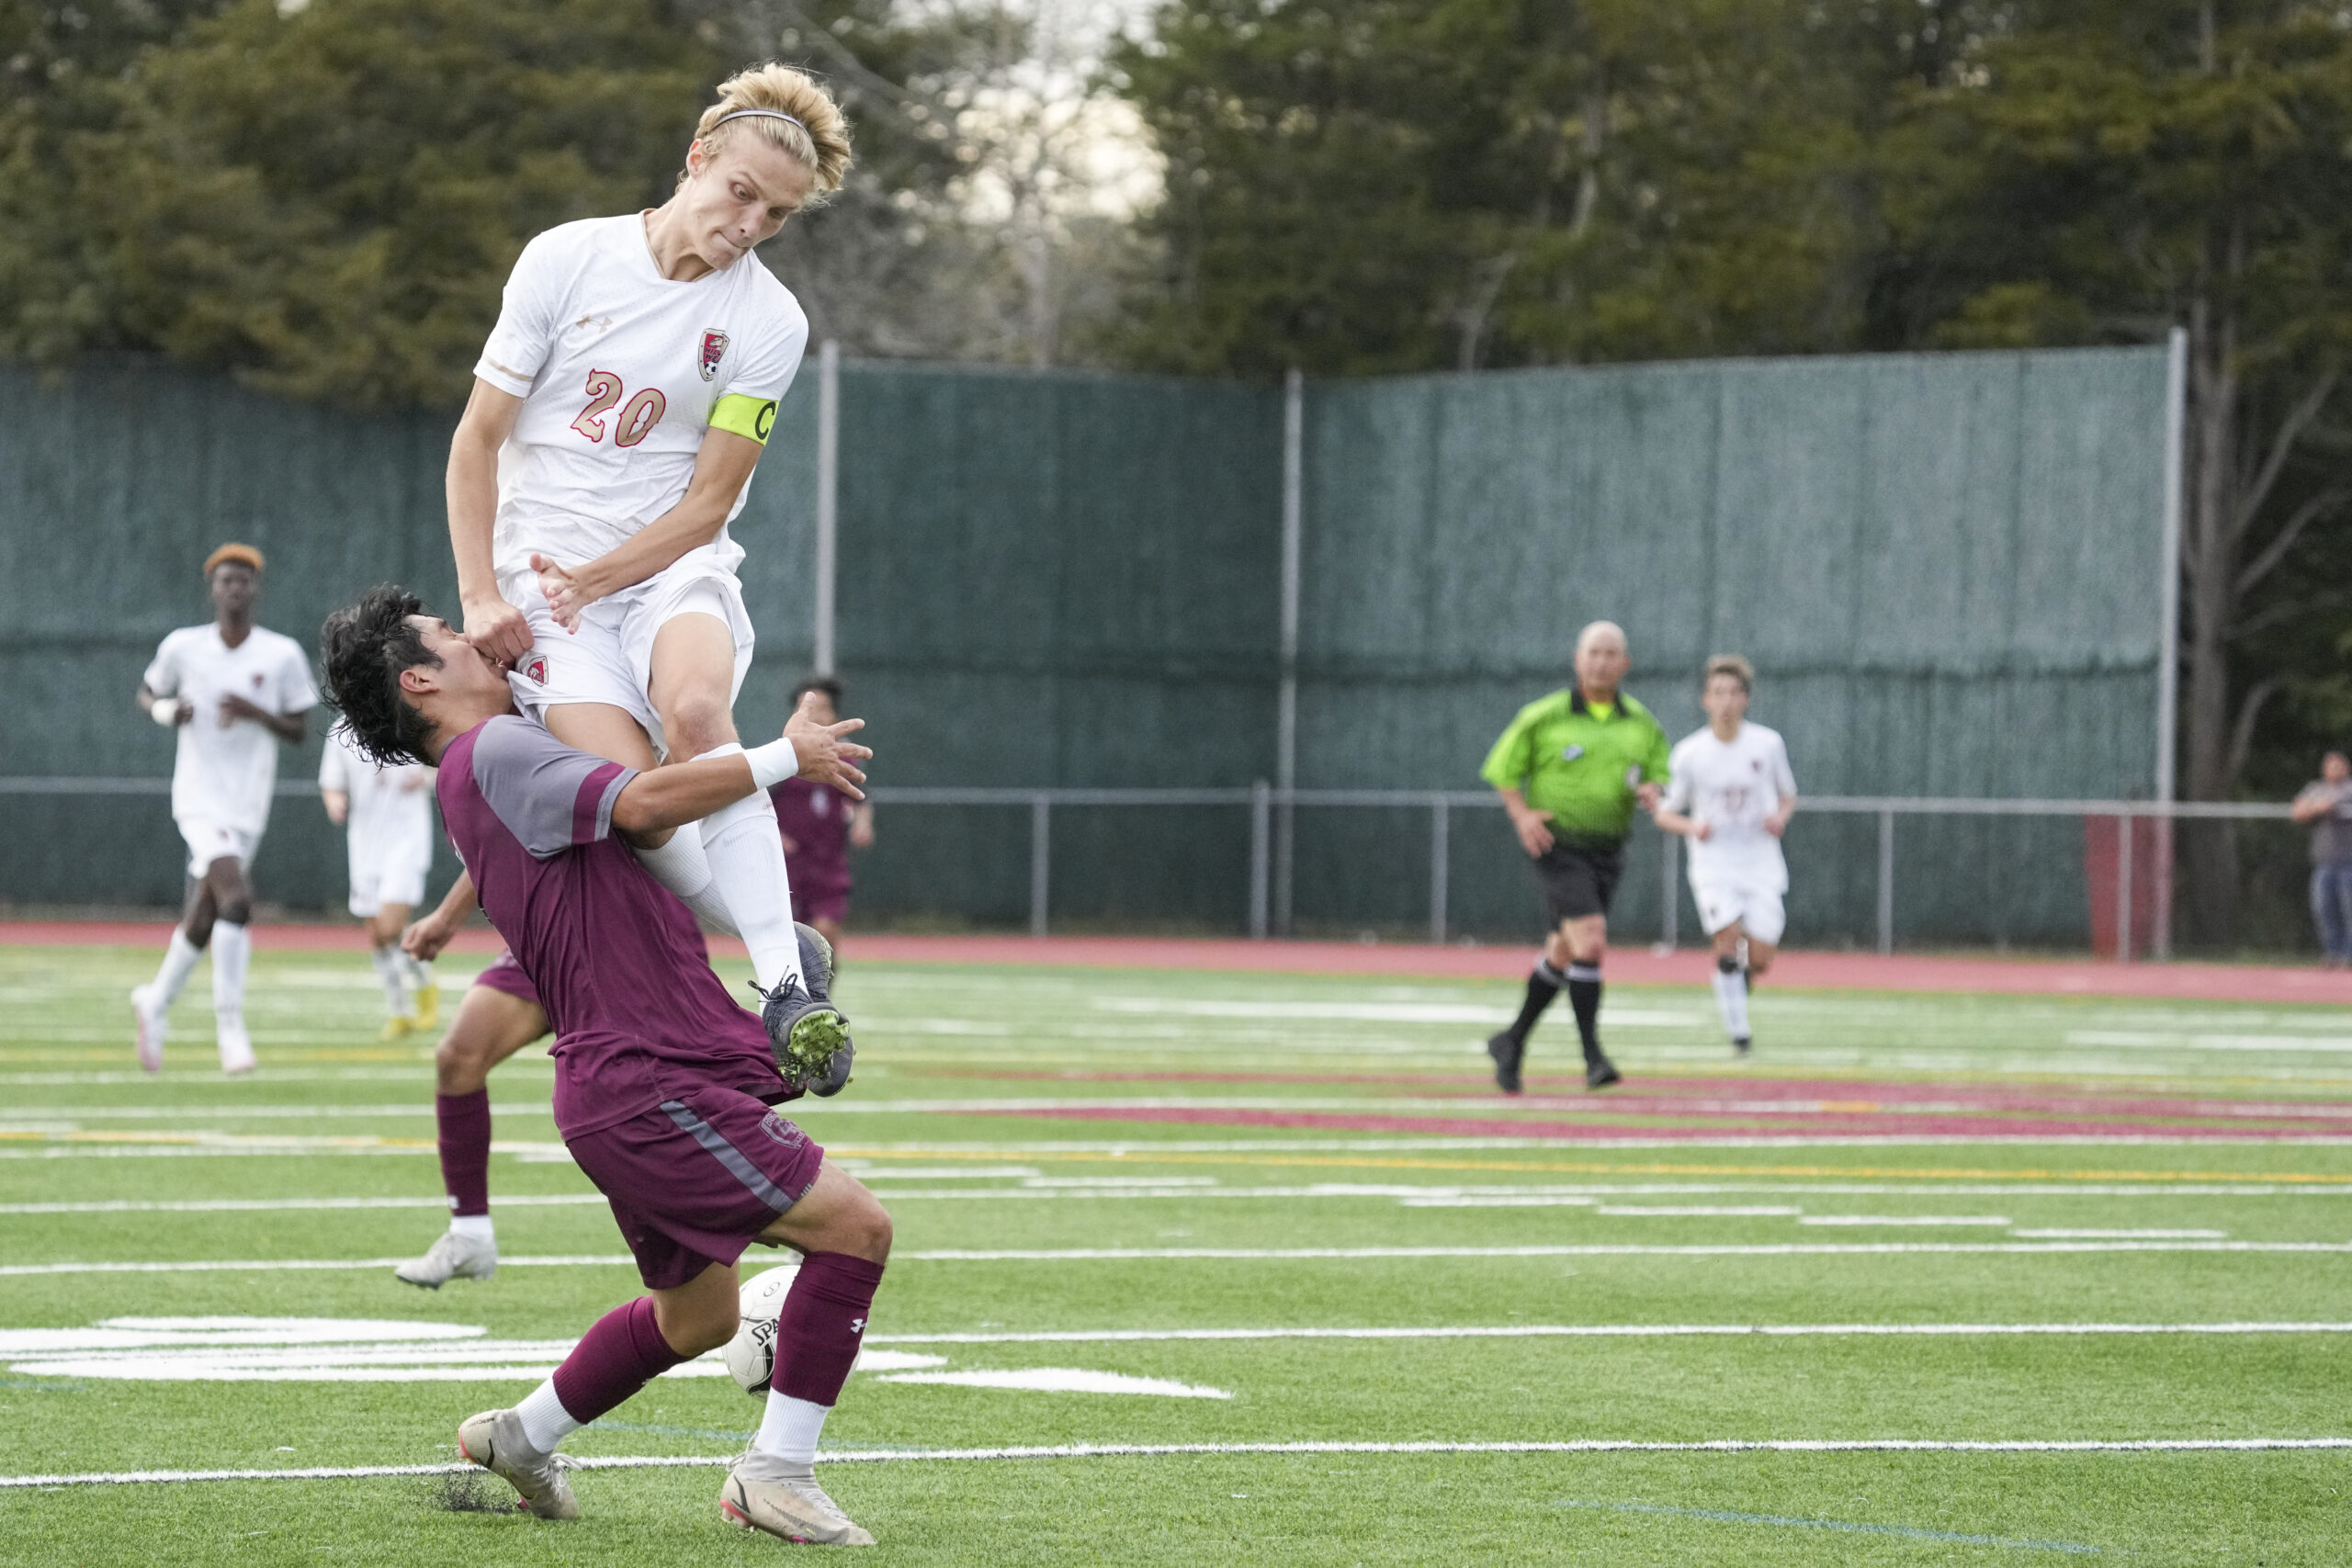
[[1886, 882], [1261, 814], [2123, 888], [1670, 921], [1041, 859], [1440, 868]]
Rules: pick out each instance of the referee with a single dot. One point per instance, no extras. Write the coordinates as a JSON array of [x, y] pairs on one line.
[[1570, 770]]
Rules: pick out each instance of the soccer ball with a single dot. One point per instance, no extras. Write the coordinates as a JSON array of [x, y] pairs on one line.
[[751, 1355]]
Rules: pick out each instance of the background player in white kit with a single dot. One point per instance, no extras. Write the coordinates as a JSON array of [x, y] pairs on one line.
[[1731, 797], [618, 410], [233, 689], [387, 817]]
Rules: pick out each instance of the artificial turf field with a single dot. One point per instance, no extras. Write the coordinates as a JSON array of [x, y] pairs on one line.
[[2011, 1222]]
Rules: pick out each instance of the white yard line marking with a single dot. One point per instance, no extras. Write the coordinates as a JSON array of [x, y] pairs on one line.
[[1063, 1380], [1614, 1331], [2054, 1235], [1155, 1451], [271, 1205], [1697, 1211], [1260, 1254]]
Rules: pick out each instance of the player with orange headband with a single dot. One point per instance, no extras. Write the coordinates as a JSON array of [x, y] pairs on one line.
[[233, 690]]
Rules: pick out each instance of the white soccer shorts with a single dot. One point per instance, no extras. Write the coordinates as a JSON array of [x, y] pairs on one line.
[[208, 842], [1757, 908], [610, 659], [390, 867]]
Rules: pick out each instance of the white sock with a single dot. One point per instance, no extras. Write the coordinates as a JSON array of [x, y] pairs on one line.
[[682, 867], [746, 851], [545, 1421], [390, 970], [419, 975], [232, 950], [179, 963], [474, 1227], [1731, 998], [789, 1429]]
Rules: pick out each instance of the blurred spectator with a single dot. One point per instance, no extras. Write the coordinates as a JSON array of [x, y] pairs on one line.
[[2325, 806]]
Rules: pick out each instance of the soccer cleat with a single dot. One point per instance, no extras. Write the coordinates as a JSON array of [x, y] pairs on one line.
[[236, 1047], [452, 1256], [1600, 1072], [808, 1034], [1508, 1050], [151, 1027], [494, 1441], [395, 1027], [1740, 1045], [428, 1007], [762, 1493]]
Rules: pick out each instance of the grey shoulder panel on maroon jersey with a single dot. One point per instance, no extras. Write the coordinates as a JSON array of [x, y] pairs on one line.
[[549, 794]]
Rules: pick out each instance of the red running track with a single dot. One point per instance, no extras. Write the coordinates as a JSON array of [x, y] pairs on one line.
[[1633, 965]]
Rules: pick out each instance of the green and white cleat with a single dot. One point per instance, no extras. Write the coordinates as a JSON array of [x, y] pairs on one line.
[[453, 1257], [494, 1441], [809, 1035], [764, 1492]]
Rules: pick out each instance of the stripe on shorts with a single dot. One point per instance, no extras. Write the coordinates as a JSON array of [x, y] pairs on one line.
[[728, 1155]]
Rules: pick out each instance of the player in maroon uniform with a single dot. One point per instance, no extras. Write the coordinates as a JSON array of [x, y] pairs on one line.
[[821, 825], [665, 1088]]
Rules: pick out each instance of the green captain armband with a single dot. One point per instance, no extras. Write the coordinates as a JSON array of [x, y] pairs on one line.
[[749, 417]]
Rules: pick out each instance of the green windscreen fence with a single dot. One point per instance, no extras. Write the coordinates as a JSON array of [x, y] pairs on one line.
[[1946, 569]]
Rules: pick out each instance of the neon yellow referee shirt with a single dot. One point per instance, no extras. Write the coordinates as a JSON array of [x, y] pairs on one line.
[[1580, 764]]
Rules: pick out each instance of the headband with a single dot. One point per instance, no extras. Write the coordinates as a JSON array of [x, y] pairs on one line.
[[764, 114]]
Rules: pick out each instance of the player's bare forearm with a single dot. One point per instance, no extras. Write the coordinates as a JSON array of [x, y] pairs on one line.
[[1675, 822], [425, 939], [722, 468], [681, 793]]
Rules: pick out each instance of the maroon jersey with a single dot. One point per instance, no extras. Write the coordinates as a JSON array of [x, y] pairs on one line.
[[617, 962], [815, 818]]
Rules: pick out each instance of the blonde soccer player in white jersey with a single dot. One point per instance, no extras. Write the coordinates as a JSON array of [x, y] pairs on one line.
[[1731, 797], [618, 410], [233, 690], [387, 817]]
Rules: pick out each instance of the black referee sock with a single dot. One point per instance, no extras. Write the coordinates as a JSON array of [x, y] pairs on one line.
[[1583, 996], [1544, 983]]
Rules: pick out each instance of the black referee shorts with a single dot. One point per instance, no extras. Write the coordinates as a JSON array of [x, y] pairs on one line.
[[1578, 880]]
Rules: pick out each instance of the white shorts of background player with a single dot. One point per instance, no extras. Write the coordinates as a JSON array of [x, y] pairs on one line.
[[209, 840], [390, 862], [1755, 906], [610, 659]]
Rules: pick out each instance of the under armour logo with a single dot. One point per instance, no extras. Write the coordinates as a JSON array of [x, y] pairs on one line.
[[857, 1326]]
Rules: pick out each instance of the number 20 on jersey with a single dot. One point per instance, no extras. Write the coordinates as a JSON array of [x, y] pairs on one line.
[[638, 417]]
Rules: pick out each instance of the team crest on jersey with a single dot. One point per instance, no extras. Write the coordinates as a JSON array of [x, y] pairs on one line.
[[535, 669], [714, 349], [257, 680]]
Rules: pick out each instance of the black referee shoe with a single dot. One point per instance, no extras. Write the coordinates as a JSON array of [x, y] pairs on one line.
[[1599, 1072], [1508, 1050]]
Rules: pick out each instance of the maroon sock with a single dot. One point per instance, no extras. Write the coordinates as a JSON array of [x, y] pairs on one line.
[[823, 1319], [464, 1149], [620, 1355]]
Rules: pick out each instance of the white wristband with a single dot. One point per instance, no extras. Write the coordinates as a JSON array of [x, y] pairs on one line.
[[165, 711], [772, 763]]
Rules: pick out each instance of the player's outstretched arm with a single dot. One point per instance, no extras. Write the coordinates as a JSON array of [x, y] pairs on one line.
[[826, 754], [679, 792], [491, 624], [722, 468]]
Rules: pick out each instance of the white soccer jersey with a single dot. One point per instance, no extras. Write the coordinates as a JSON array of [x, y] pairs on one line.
[[224, 772], [618, 370], [1732, 786], [389, 830]]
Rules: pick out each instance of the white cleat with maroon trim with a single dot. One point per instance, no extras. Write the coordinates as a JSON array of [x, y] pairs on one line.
[[764, 1492], [151, 1027]]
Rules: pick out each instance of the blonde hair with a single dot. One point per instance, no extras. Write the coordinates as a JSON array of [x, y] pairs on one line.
[[817, 134], [1733, 665]]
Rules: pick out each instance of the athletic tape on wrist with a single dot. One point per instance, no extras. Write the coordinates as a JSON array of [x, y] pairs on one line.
[[772, 763], [739, 413]]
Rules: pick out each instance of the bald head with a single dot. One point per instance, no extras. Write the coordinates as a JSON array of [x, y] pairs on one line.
[[1601, 660]]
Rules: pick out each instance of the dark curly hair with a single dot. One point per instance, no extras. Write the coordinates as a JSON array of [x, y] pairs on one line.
[[365, 647]]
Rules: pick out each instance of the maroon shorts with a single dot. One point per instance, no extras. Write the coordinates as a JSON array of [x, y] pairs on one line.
[[506, 975], [821, 903], [694, 1180]]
